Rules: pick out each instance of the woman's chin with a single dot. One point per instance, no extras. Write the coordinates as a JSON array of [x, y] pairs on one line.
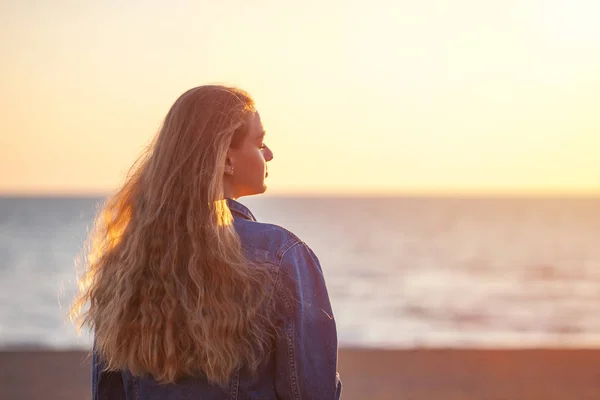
[[260, 190]]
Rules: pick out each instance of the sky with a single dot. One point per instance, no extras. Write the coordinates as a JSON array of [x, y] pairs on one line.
[[358, 97]]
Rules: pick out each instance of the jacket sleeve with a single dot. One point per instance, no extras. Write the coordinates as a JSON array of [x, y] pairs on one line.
[[106, 385], [307, 346]]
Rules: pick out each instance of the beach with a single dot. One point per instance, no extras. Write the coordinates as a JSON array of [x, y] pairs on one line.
[[367, 374]]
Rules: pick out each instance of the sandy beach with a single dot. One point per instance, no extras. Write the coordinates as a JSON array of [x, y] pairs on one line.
[[372, 374]]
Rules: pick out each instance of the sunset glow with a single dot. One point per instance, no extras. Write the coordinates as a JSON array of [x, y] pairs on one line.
[[439, 96]]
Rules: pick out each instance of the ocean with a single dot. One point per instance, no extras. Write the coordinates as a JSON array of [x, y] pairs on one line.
[[402, 272]]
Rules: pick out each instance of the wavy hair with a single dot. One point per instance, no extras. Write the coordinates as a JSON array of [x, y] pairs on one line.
[[166, 288]]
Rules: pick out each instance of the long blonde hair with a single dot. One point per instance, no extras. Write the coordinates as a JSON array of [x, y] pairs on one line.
[[167, 289]]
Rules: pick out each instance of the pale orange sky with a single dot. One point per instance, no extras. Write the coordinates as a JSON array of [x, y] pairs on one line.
[[357, 97]]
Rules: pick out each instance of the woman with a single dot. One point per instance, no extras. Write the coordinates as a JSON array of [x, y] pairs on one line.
[[189, 296]]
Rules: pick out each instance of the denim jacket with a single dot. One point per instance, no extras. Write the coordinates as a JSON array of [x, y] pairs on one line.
[[303, 364]]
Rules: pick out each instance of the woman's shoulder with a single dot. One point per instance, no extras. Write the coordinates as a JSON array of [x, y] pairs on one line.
[[270, 240]]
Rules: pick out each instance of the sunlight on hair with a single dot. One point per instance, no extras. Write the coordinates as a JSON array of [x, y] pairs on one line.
[[224, 217]]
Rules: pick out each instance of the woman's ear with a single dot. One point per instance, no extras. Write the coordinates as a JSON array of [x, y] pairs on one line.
[[229, 164], [229, 159]]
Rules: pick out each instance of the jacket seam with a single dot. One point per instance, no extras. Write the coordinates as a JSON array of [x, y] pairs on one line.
[[292, 362], [283, 294], [289, 328], [289, 245], [235, 385], [136, 388]]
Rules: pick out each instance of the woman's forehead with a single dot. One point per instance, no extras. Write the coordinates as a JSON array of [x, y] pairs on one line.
[[256, 127]]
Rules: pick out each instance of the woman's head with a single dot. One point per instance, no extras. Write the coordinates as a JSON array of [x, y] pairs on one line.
[[213, 137], [246, 162], [169, 290]]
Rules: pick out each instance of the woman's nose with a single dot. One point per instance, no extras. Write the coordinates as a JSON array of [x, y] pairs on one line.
[[268, 154]]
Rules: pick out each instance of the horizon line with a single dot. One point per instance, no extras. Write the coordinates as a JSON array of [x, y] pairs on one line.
[[343, 194]]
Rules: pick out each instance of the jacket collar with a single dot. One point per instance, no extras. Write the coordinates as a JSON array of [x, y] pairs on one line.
[[239, 209]]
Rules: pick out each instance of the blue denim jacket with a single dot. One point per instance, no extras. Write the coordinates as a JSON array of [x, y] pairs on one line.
[[303, 364]]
